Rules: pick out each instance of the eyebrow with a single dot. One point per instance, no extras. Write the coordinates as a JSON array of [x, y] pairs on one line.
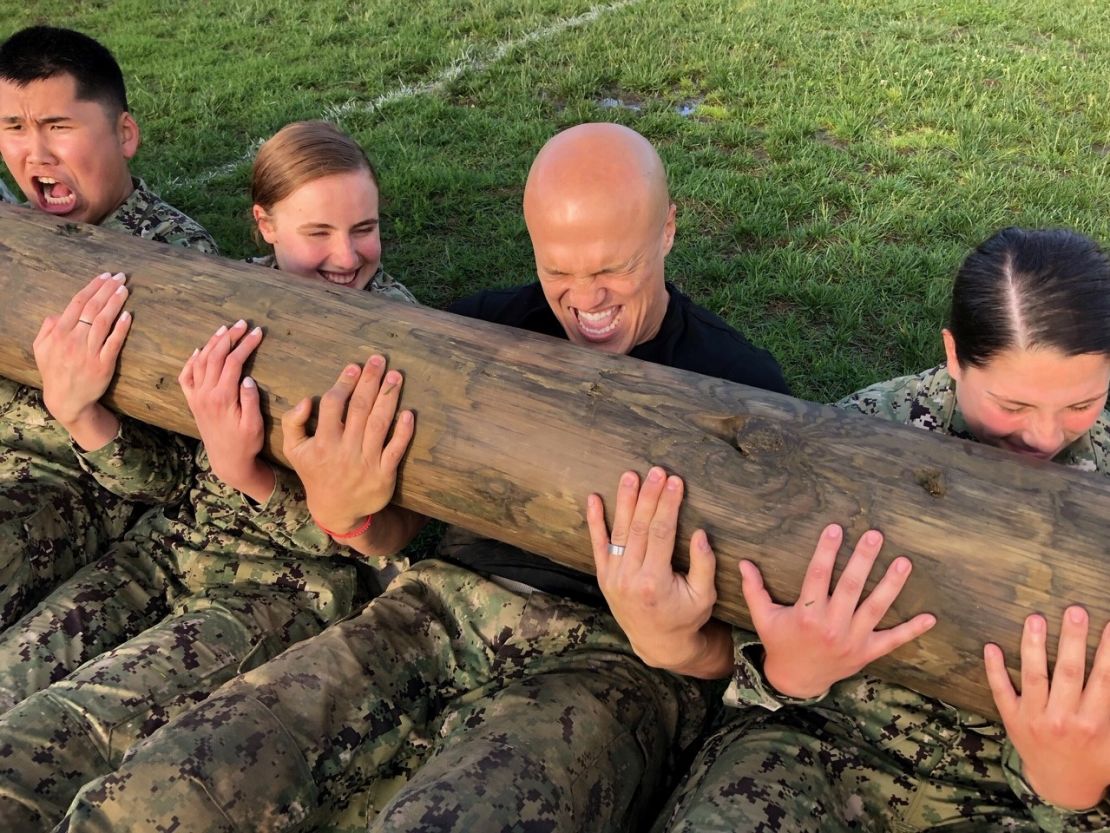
[[1009, 401], [47, 120]]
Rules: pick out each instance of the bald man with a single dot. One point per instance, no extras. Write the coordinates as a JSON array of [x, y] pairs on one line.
[[498, 672]]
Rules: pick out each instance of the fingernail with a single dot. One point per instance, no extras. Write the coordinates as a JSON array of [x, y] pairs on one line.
[[703, 541], [393, 377], [674, 483], [122, 290], [872, 537], [628, 479], [104, 276], [902, 566], [125, 316], [377, 361], [257, 331], [655, 475], [239, 323], [221, 331], [928, 621], [1036, 623], [196, 351], [833, 531], [1077, 615], [119, 276], [248, 382], [351, 370], [406, 417]]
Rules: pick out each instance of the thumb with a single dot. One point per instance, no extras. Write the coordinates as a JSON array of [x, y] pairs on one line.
[[249, 401], [293, 426], [756, 596], [703, 566]]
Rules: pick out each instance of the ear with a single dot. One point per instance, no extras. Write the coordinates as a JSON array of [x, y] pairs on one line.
[[950, 354], [265, 223], [129, 135], [668, 230]]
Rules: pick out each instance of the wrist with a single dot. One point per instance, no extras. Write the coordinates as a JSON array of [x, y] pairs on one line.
[[92, 428], [256, 480], [784, 683], [1064, 792], [346, 532]]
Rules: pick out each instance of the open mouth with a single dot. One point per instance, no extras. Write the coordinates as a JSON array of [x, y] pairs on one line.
[[54, 196], [600, 324], [339, 278]]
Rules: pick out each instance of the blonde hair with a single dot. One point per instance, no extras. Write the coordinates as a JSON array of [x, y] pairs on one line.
[[302, 152]]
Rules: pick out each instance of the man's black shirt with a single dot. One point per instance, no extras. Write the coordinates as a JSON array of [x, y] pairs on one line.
[[690, 338]]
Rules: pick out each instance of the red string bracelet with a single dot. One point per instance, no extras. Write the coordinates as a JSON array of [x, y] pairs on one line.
[[345, 535]]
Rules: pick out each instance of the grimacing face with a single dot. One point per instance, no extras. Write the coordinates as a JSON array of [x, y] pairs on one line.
[[69, 157], [1034, 402], [327, 229], [604, 278]]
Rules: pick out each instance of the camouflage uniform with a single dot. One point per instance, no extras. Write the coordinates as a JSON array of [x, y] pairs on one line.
[[538, 715], [871, 755], [53, 517], [5, 194], [195, 593]]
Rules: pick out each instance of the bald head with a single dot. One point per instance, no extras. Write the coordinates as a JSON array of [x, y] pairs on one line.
[[593, 169], [601, 221]]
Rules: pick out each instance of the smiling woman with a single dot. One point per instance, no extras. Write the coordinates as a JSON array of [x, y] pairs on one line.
[[315, 197]]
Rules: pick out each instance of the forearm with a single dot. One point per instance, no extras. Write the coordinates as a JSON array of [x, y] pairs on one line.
[[390, 530]]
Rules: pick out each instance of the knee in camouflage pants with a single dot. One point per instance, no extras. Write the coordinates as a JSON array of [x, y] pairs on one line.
[[539, 716], [145, 668]]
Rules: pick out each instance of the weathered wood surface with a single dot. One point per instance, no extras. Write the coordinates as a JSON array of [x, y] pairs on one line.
[[514, 430]]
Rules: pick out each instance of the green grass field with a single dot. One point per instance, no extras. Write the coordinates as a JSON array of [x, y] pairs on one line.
[[840, 158]]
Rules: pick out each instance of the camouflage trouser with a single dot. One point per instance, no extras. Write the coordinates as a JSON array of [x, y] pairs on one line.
[[116, 654], [46, 535], [810, 770], [538, 714]]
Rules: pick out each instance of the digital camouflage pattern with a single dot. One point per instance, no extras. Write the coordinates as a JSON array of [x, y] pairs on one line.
[[382, 283], [5, 194], [144, 214], [193, 594], [532, 710], [870, 756], [54, 518]]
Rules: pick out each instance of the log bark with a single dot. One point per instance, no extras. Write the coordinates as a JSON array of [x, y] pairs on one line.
[[514, 430]]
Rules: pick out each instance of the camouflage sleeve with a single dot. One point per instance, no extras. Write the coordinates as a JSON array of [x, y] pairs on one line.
[[142, 463], [748, 686], [387, 286], [5, 194], [1050, 818], [283, 518]]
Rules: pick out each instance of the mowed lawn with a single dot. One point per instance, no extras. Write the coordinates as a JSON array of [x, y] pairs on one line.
[[832, 161]]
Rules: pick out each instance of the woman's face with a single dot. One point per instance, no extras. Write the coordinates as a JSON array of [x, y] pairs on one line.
[[327, 229], [1035, 402]]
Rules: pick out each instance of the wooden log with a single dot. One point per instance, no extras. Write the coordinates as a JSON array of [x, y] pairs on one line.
[[514, 430]]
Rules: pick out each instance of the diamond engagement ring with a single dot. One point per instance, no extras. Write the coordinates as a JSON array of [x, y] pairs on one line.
[[616, 549]]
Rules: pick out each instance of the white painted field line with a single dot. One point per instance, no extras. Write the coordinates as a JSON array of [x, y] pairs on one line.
[[408, 90]]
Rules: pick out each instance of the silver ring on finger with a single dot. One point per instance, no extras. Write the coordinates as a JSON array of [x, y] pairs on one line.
[[83, 321], [615, 549]]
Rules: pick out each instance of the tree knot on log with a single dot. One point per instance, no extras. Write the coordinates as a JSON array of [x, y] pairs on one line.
[[71, 230], [932, 481], [743, 432]]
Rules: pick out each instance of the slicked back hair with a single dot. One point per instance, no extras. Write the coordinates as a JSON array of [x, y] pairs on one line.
[[42, 52], [300, 153], [1031, 289]]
